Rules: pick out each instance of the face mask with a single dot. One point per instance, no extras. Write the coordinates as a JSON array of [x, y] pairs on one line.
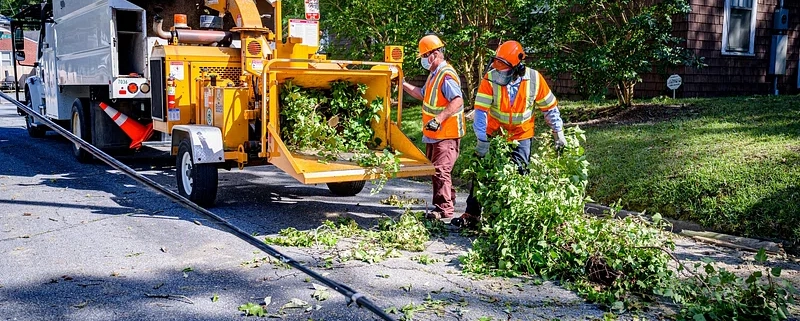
[[425, 63], [502, 78]]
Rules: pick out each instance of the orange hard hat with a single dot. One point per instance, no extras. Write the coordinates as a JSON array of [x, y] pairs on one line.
[[509, 55], [429, 43]]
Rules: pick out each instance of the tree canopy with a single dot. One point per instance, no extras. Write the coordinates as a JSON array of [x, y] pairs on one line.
[[601, 44]]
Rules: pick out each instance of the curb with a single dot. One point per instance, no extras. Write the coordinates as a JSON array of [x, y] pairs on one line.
[[697, 232]]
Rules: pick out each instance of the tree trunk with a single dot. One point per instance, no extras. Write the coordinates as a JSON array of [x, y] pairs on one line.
[[624, 91]]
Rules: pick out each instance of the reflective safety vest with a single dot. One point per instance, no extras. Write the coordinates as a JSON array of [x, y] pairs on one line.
[[515, 117], [435, 102]]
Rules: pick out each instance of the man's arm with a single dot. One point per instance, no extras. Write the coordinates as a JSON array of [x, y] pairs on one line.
[[451, 91], [483, 101], [552, 116], [412, 90]]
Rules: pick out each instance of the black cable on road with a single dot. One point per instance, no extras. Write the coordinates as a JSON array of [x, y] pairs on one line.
[[349, 293]]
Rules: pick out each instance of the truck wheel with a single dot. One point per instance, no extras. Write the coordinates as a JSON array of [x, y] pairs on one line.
[[34, 130], [197, 182], [346, 188], [80, 128]]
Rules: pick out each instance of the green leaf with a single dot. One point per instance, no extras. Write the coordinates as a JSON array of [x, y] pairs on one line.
[[214, 298], [776, 271], [761, 257], [699, 317]]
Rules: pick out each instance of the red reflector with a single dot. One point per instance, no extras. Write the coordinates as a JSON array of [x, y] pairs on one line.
[[133, 88], [122, 92]]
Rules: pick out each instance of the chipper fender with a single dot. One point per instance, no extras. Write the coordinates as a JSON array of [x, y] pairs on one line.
[[206, 142]]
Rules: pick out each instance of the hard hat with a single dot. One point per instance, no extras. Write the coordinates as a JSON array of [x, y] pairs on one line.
[[429, 43], [509, 55]]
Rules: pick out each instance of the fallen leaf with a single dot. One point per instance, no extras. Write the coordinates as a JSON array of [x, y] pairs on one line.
[[295, 303], [115, 273], [26, 214], [267, 300], [320, 292], [81, 305], [215, 298]]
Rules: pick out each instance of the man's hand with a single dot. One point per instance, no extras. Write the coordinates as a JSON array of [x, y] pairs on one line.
[[482, 148], [560, 140], [433, 125]]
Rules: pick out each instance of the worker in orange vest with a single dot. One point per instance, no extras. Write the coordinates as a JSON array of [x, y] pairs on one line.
[[442, 120], [506, 98]]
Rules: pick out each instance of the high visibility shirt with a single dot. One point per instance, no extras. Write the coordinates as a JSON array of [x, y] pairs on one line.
[[515, 116], [451, 90], [434, 102]]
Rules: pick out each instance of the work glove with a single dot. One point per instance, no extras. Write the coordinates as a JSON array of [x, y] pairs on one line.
[[433, 125], [482, 148], [560, 140]]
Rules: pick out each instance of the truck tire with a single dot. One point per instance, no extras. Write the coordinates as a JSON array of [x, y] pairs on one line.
[[34, 130], [197, 182], [346, 188], [80, 127]]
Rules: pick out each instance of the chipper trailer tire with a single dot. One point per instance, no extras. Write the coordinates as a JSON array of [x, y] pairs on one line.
[[197, 182]]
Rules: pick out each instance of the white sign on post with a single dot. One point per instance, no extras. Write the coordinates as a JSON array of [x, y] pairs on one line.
[[306, 29], [312, 9], [673, 82]]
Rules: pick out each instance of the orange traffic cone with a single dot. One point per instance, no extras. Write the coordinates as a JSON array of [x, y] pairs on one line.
[[137, 132]]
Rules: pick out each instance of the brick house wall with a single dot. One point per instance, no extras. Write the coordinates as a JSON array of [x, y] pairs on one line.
[[725, 75], [23, 67], [728, 75]]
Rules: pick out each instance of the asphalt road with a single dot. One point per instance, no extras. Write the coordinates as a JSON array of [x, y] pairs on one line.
[[84, 242]]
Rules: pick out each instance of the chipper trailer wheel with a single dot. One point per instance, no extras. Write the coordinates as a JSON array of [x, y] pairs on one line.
[[80, 128], [197, 182], [33, 130], [346, 188]]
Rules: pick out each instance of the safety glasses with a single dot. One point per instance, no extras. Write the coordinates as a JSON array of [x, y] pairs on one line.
[[501, 64], [425, 55]]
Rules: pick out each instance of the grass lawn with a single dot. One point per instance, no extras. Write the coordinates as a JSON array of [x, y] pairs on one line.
[[730, 164]]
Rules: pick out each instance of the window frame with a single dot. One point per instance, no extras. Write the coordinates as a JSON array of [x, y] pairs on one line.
[[725, 22]]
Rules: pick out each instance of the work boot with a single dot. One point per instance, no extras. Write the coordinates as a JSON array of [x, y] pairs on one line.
[[466, 221], [436, 215]]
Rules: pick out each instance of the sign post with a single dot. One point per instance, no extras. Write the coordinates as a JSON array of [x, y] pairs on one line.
[[673, 82], [312, 9]]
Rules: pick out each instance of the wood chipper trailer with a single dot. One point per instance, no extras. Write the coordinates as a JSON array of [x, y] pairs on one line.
[[207, 91]]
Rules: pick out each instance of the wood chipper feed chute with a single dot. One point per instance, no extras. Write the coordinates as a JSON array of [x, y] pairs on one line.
[[307, 168]]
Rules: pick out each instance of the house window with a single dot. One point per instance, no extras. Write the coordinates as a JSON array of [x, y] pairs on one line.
[[5, 58], [739, 29]]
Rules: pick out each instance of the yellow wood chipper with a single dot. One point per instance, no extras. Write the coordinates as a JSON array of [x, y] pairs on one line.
[[207, 90]]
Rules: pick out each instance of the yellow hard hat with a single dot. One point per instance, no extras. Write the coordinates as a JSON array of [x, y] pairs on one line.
[[429, 43]]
